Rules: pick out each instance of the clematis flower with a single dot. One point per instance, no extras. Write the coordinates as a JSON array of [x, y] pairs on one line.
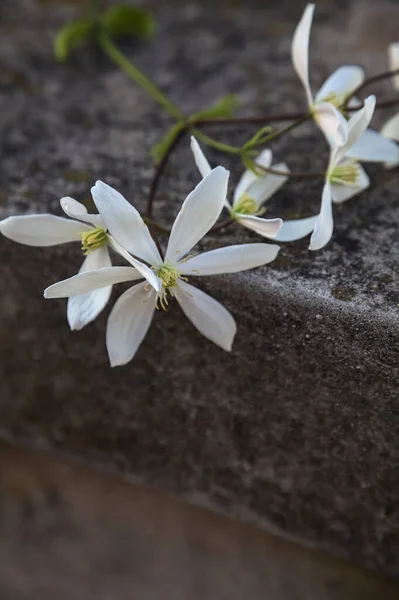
[[84, 228], [132, 314], [251, 193], [371, 145], [345, 178]]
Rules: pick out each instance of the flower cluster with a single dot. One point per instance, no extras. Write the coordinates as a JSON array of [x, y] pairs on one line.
[[344, 122]]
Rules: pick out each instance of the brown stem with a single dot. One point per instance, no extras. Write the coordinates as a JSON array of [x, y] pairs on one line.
[[222, 225], [290, 173], [370, 80]]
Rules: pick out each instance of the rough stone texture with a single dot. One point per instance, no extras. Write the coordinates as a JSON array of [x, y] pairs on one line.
[[72, 534], [296, 429]]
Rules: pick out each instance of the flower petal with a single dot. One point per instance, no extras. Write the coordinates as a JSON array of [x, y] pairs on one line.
[[230, 259], [391, 130], [296, 229], [341, 83], [76, 210], [199, 212], [128, 323], [393, 60], [357, 125], [209, 316], [88, 281], [145, 271], [324, 223], [42, 230], [341, 193], [200, 159], [264, 187], [373, 146], [124, 223], [332, 123], [264, 159], [268, 228], [300, 49], [84, 308]]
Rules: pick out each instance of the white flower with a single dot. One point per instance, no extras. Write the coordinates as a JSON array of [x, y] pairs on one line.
[[393, 61], [251, 193], [371, 146], [87, 229], [344, 179], [132, 313]]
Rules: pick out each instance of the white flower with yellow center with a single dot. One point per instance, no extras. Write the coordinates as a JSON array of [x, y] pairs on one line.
[[133, 311], [345, 178], [88, 230], [371, 146], [251, 192]]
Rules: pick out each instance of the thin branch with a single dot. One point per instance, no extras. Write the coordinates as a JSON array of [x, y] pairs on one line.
[[370, 80], [222, 225], [299, 174]]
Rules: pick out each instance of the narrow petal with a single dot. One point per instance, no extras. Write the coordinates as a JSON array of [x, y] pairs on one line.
[[264, 187], [145, 271], [76, 210], [391, 130], [393, 60], [264, 159], [88, 281], [300, 49], [200, 159], [84, 308], [296, 229], [341, 83], [357, 125], [124, 223], [209, 316], [373, 146], [128, 323], [332, 123], [324, 224], [199, 212], [341, 193], [231, 259], [42, 230], [268, 228]]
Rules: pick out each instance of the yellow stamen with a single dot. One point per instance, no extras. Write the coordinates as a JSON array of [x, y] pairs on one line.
[[345, 174], [245, 206], [93, 239]]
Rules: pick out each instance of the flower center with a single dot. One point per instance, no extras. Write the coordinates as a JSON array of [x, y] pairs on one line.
[[93, 239], [346, 174], [333, 99], [169, 275], [246, 205]]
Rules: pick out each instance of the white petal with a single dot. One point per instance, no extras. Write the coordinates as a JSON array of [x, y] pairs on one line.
[[391, 130], [145, 271], [296, 229], [268, 228], [209, 316], [231, 259], [42, 230], [341, 83], [373, 146], [200, 159], [264, 187], [264, 159], [84, 308], [393, 59], [332, 123], [324, 223], [357, 125], [91, 280], [341, 193], [124, 223], [300, 49], [76, 210], [199, 212], [128, 323]]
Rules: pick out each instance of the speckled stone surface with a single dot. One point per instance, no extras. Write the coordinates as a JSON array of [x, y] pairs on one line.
[[297, 429]]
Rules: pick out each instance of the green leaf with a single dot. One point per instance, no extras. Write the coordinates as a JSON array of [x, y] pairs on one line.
[[225, 107], [159, 149], [125, 21], [71, 35]]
